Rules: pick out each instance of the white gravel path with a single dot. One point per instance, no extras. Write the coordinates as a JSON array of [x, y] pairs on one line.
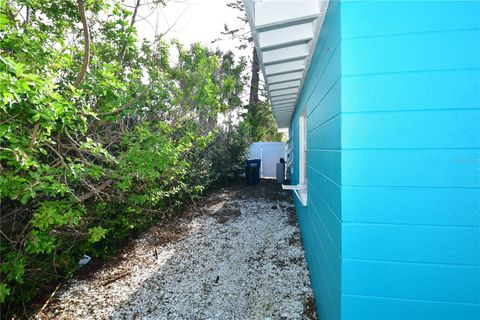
[[242, 258]]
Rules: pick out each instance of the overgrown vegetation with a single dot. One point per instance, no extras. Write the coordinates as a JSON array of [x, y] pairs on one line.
[[101, 134], [263, 126]]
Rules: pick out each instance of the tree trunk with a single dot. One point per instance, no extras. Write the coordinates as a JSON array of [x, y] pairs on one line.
[[86, 36], [255, 81], [132, 22]]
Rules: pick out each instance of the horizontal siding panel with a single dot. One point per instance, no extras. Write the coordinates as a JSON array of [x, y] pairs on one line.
[[411, 281], [364, 18], [411, 52], [329, 73], [327, 162], [411, 168], [452, 89], [326, 73], [330, 27], [323, 261], [318, 271], [329, 190], [327, 223], [308, 237], [407, 129], [410, 164], [302, 214], [324, 106], [328, 40], [426, 244], [378, 308], [425, 206], [327, 298], [325, 136], [328, 256], [319, 226]]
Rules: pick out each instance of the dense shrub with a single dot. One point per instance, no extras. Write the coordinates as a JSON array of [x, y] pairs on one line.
[[87, 159]]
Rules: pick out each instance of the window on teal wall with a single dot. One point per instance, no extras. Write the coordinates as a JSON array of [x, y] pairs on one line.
[[300, 189], [302, 159], [302, 149]]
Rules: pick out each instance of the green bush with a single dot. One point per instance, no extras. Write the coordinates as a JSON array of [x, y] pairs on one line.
[[85, 164]]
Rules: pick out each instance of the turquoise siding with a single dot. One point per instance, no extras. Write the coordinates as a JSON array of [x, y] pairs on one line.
[[320, 221], [392, 225]]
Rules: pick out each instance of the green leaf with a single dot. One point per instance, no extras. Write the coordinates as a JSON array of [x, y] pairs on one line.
[[97, 234], [4, 289]]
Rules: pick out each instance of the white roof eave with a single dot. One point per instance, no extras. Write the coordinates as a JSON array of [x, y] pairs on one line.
[[285, 33]]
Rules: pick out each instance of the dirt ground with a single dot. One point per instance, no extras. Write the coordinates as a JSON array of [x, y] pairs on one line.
[[236, 254]]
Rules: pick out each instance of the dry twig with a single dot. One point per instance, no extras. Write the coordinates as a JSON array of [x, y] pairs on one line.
[[115, 278], [50, 298]]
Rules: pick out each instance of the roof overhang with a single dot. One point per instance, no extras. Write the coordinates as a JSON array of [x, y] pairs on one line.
[[285, 34]]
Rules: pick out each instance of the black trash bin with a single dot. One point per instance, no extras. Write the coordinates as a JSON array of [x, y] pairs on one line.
[[252, 171]]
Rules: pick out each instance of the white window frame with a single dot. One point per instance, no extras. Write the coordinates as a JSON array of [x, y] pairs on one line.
[[301, 188], [302, 149]]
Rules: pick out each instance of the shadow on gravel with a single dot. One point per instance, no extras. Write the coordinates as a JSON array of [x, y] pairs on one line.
[[236, 253]]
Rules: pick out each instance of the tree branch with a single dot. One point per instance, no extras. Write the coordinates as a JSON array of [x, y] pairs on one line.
[[36, 127], [97, 190], [132, 22], [126, 105], [86, 36]]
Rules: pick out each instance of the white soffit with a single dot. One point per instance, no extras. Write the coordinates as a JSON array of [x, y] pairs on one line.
[[285, 33], [285, 101], [284, 85]]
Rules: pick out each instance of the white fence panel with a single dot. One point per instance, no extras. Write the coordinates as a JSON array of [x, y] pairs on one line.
[[270, 154]]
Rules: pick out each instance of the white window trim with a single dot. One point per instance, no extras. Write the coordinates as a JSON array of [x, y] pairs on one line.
[[302, 149], [300, 189]]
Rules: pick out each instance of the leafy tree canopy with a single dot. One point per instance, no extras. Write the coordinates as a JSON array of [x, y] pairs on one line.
[[100, 134]]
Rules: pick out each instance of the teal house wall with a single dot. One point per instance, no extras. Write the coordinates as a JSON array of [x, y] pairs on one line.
[[392, 225]]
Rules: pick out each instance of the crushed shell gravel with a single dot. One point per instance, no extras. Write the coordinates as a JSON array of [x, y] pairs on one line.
[[250, 266]]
